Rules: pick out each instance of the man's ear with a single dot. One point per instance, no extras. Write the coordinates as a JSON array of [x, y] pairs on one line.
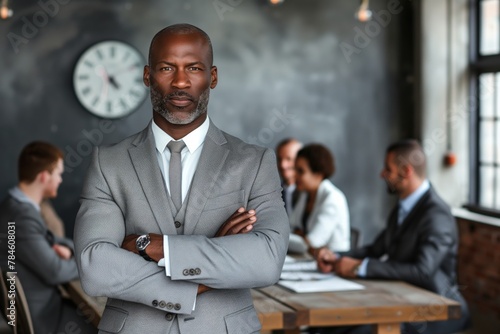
[[42, 177], [406, 170], [213, 77], [145, 76]]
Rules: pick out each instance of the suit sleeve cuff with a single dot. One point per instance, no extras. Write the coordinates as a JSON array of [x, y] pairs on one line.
[[165, 262], [363, 267]]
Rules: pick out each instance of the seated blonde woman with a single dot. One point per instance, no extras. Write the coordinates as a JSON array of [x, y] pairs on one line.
[[321, 216]]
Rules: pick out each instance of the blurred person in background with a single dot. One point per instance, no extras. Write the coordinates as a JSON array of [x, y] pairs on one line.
[[286, 153], [42, 259], [419, 245], [321, 215]]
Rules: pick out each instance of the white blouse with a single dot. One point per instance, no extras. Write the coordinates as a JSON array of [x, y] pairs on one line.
[[328, 222]]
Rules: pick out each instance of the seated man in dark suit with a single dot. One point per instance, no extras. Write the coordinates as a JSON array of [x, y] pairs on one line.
[[42, 260], [418, 246]]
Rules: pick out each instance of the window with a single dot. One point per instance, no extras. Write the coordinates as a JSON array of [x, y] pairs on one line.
[[485, 114]]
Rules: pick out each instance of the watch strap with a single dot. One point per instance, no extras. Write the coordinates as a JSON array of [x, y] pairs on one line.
[[144, 255]]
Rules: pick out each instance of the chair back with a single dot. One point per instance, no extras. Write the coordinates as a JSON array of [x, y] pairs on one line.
[[23, 321], [5, 328], [355, 238]]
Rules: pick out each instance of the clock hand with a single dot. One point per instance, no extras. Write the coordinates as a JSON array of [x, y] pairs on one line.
[[113, 82], [104, 90]]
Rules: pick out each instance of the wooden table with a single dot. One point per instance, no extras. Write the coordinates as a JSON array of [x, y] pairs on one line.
[[384, 304]]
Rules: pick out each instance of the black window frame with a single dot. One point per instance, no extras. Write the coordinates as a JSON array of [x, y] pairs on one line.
[[478, 65]]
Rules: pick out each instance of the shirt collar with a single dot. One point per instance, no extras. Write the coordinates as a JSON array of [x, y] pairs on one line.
[[409, 202], [21, 197], [193, 140]]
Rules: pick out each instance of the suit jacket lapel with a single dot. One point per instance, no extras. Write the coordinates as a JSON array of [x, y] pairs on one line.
[[392, 226], [143, 156], [413, 214], [211, 161]]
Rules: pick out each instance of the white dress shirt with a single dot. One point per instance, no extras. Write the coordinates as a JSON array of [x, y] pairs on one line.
[[21, 197], [327, 224], [190, 155]]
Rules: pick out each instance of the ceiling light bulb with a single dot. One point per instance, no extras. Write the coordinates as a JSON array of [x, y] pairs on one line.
[[276, 2], [5, 12], [363, 14]]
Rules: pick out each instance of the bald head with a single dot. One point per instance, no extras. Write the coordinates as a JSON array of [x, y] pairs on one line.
[[180, 29]]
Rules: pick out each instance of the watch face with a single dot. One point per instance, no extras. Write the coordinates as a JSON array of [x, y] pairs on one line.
[[142, 242], [108, 79]]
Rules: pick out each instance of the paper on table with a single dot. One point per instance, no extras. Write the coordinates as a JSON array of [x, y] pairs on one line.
[[303, 275], [300, 266], [334, 283]]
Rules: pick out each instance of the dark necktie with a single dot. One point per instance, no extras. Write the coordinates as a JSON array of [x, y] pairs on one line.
[[401, 214]]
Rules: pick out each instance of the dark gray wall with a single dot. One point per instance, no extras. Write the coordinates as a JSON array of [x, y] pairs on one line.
[[282, 73]]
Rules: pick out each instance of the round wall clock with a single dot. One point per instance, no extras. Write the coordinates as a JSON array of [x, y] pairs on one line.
[[108, 79]]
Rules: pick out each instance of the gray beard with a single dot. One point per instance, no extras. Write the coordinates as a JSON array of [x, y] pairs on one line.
[[159, 103]]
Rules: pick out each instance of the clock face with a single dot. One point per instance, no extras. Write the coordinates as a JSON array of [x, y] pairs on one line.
[[108, 79]]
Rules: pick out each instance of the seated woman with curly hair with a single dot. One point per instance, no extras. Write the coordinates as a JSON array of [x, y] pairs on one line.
[[321, 216]]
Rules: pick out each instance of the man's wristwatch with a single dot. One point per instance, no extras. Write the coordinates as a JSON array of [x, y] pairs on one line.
[[141, 243]]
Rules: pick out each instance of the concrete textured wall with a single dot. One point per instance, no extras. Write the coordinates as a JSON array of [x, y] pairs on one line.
[[451, 182], [308, 64]]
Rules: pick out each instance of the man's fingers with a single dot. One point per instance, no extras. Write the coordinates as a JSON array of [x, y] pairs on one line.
[[243, 226], [238, 220], [236, 227]]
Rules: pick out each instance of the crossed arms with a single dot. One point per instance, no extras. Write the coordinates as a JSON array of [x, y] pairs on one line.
[[240, 222], [234, 258]]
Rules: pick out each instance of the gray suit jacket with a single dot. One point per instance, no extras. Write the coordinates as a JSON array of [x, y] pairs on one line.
[[38, 266], [124, 193]]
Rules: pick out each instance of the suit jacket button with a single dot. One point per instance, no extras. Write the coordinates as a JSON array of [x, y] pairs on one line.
[[162, 304], [169, 316], [197, 271], [185, 272], [191, 272], [177, 307], [177, 224], [170, 306], [155, 303]]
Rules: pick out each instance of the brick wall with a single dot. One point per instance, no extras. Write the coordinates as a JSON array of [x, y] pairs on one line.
[[479, 265]]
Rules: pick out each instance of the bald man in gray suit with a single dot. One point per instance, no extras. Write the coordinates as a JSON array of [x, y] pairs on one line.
[[182, 260]]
